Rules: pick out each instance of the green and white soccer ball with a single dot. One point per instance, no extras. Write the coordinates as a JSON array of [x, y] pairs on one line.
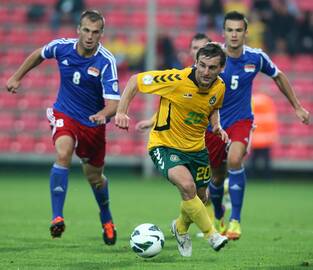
[[147, 240]]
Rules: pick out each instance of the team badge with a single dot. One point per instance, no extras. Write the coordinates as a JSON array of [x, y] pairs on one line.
[[93, 71], [147, 79], [115, 87], [212, 100], [249, 68], [174, 158]]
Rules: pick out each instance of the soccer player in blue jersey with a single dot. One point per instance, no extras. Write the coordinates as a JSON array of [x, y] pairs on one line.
[[88, 97], [242, 65]]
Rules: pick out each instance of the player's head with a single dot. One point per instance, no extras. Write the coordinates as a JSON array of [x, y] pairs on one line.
[[210, 62], [235, 29], [90, 30], [197, 41]]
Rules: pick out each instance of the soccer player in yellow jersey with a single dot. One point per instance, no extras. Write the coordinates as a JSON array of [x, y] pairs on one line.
[[190, 99]]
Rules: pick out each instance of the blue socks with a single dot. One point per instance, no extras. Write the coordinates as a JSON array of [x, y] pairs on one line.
[[102, 197], [237, 183], [216, 196], [58, 188]]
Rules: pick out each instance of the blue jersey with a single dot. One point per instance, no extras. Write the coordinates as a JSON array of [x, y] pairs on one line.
[[238, 76], [84, 82]]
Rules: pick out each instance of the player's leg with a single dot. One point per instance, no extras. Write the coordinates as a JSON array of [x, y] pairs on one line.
[[202, 193], [99, 185], [193, 207], [216, 148], [64, 145], [237, 183], [240, 134], [182, 179], [216, 189], [91, 150]]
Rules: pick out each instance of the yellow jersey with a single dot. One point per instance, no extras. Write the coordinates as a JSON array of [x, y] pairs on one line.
[[184, 111]]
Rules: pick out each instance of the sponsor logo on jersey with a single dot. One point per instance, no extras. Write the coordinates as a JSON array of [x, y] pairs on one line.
[[212, 100], [147, 79], [174, 158], [187, 95], [65, 62], [249, 68], [93, 71]]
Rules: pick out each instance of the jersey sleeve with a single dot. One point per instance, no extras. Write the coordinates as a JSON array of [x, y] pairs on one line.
[[109, 80], [159, 82], [267, 66], [50, 50]]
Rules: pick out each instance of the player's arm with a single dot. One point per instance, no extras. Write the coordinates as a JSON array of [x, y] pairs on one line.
[[121, 117], [144, 125], [285, 87], [30, 62], [216, 126], [106, 113]]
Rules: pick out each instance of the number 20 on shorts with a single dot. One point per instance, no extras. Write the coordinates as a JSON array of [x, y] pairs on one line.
[[203, 173]]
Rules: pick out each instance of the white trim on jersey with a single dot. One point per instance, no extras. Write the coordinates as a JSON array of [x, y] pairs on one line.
[[98, 49], [111, 58], [260, 51], [57, 41], [114, 97]]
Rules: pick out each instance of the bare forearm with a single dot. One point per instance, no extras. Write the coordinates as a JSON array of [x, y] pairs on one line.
[[110, 108], [128, 94], [215, 119], [285, 87], [30, 62]]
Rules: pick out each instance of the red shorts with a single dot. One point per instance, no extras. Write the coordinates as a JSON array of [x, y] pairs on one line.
[[89, 141], [240, 131]]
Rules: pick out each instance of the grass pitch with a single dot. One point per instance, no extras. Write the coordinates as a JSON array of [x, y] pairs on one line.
[[277, 226]]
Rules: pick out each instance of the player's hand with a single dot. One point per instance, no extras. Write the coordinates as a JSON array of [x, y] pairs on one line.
[[144, 125], [303, 115], [98, 119], [12, 85], [122, 120], [217, 130]]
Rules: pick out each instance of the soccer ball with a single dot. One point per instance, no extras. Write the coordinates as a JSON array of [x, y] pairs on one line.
[[147, 240]]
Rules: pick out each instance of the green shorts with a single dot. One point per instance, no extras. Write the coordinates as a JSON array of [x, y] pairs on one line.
[[165, 158]]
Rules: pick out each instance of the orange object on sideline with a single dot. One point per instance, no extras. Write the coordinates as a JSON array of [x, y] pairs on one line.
[[265, 119]]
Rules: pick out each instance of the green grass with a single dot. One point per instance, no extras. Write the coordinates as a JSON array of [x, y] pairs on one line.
[[277, 226]]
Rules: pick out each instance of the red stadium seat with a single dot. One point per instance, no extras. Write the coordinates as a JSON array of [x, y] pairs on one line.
[[6, 121], [31, 101], [283, 62], [44, 145], [167, 19], [305, 5], [8, 101], [303, 63], [4, 143], [27, 121], [23, 143], [182, 41]]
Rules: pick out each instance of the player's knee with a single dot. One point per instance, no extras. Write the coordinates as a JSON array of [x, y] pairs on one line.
[[234, 161], [188, 189], [96, 181], [218, 179], [64, 157]]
